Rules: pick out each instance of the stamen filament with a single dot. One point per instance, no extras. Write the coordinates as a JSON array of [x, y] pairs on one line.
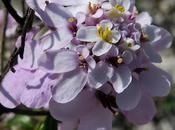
[[105, 33]]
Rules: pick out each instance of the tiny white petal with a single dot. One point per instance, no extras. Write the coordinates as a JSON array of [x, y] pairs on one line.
[[88, 34], [101, 47]]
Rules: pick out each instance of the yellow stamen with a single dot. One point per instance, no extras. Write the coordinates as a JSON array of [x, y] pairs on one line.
[[83, 63], [120, 60], [105, 33], [71, 20], [117, 11], [120, 8], [81, 58], [93, 7]]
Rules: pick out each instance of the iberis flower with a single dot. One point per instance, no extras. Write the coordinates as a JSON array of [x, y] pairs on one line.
[[95, 59]]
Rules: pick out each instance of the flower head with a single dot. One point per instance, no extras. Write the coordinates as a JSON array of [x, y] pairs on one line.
[[94, 60]]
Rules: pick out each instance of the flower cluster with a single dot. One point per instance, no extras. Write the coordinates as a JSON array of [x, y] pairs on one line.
[[95, 60]]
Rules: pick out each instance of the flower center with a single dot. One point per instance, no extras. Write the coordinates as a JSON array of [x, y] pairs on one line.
[[120, 8], [117, 11], [72, 20], [144, 37], [72, 25], [129, 42], [119, 60], [93, 7], [116, 61], [105, 33], [83, 64]]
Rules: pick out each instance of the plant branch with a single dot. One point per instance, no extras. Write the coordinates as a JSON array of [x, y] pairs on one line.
[[24, 111], [19, 51], [9, 65], [13, 12], [26, 27], [23, 7]]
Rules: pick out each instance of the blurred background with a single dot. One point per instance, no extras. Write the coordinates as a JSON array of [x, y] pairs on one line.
[[163, 13]]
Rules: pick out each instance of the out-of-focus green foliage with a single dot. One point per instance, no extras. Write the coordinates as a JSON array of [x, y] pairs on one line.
[[167, 105], [20, 122], [48, 124]]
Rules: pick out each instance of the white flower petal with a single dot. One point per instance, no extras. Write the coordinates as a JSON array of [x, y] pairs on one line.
[[98, 13], [130, 98], [126, 4], [58, 15], [32, 52], [81, 17], [35, 4], [121, 78], [68, 125], [101, 47], [152, 54], [100, 75], [98, 119], [144, 19], [106, 23], [113, 52], [127, 56], [143, 113], [159, 38], [71, 2], [83, 50], [91, 62], [69, 86], [59, 61], [116, 36], [88, 34], [155, 82], [77, 9], [80, 106], [106, 6], [56, 40], [135, 47]]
